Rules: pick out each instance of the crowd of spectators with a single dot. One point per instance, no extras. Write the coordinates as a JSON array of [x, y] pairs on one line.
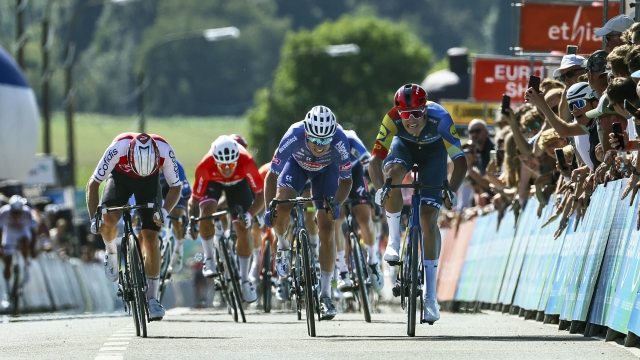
[[571, 136]]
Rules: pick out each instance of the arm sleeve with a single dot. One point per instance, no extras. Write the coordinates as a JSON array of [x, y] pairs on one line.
[[358, 150], [170, 166], [284, 151], [341, 155], [108, 162], [447, 130], [200, 185], [186, 188], [33, 222], [387, 131], [253, 176]]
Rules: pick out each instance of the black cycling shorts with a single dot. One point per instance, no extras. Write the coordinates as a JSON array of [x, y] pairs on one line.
[[118, 188], [236, 194]]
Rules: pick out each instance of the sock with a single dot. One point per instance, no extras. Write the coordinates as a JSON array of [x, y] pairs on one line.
[[152, 292], [334, 282], [393, 220], [430, 272], [256, 256], [111, 246], [325, 279], [372, 257], [341, 263], [244, 261], [283, 243], [178, 248], [313, 241], [207, 246]]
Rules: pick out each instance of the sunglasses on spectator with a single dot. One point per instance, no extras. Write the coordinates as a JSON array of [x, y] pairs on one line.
[[475, 131], [577, 104], [227, 166], [533, 126], [320, 141], [407, 114], [569, 74], [608, 37]]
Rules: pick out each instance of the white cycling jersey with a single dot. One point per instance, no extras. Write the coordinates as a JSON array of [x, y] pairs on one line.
[[15, 227]]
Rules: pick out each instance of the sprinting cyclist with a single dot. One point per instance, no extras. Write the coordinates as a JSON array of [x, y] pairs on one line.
[[362, 212], [416, 131], [179, 212], [228, 168], [17, 231], [131, 166], [313, 149]]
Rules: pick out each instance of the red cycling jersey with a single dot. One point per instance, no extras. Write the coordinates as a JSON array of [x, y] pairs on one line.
[[207, 171]]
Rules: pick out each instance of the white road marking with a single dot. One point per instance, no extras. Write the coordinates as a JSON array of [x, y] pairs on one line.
[[117, 343]]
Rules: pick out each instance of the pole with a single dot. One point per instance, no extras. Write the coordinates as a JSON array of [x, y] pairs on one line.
[[71, 157], [270, 114], [45, 47], [20, 6], [141, 121], [605, 17], [623, 7]]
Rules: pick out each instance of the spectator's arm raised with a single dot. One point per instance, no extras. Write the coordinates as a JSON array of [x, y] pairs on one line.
[[563, 128]]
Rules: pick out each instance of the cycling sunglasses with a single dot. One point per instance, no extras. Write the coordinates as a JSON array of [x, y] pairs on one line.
[[416, 113], [320, 141], [227, 166], [533, 126], [577, 104], [608, 37]]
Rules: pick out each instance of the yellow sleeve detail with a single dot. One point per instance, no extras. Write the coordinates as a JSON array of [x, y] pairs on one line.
[[453, 150], [387, 131]]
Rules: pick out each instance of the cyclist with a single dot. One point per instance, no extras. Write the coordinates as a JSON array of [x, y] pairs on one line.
[[362, 212], [417, 131], [131, 166], [179, 212], [313, 149], [17, 229], [230, 168]]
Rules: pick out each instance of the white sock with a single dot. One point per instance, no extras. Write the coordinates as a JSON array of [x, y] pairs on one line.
[[393, 220], [111, 246], [372, 254], [341, 262], [154, 283], [313, 241], [207, 246], [178, 248], [244, 261], [283, 243], [325, 288], [430, 272], [256, 256]]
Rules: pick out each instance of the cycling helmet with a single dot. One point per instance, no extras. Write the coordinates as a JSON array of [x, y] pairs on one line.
[[16, 202], [225, 150], [581, 91], [320, 122], [410, 96], [143, 156], [239, 139]]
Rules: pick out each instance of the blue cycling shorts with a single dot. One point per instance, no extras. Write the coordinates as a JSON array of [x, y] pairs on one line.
[[323, 182], [432, 165]]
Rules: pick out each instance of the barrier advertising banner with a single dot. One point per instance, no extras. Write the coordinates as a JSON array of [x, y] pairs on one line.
[[525, 226], [493, 77], [551, 27]]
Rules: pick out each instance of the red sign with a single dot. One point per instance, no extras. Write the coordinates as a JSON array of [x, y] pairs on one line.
[[551, 27], [494, 77]]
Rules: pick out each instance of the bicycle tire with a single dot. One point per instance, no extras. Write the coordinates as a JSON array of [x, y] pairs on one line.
[[297, 280], [361, 282], [226, 293], [165, 274], [413, 283], [233, 278], [15, 290], [309, 277], [137, 271], [266, 276]]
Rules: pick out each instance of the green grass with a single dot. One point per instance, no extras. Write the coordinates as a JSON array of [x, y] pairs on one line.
[[190, 137]]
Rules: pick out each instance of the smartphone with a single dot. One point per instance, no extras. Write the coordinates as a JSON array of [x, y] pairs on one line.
[[572, 50], [534, 82], [631, 109], [616, 128], [506, 103], [493, 154], [560, 158]]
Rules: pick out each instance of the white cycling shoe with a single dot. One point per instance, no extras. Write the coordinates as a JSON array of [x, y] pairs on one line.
[[375, 276], [392, 251], [282, 263], [156, 311], [111, 267], [254, 274], [344, 283], [431, 311], [249, 292], [209, 269], [284, 287], [176, 262]]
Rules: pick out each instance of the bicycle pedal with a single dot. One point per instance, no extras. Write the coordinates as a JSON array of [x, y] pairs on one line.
[[395, 291], [394, 263]]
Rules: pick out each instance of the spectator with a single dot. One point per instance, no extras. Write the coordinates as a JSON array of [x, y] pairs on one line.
[[551, 140], [617, 61], [606, 117], [549, 84], [569, 70], [596, 66], [631, 36], [619, 90], [532, 122], [482, 141], [552, 98], [633, 60], [613, 29]]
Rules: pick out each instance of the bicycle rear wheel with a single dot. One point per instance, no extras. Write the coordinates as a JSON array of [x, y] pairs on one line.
[[309, 279], [413, 283], [266, 276], [297, 283], [15, 289], [139, 284], [360, 277], [233, 278]]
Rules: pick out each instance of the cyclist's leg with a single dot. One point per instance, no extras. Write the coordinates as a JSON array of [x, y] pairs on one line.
[[310, 221], [209, 205], [343, 280], [256, 235], [396, 165], [115, 193], [363, 211], [8, 266], [179, 212]]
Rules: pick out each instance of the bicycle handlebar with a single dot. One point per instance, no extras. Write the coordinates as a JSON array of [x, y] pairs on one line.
[[300, 201], [104, 210], [416, 186]]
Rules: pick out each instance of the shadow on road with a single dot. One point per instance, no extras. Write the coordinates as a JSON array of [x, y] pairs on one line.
[[192, 337], [457, 338]]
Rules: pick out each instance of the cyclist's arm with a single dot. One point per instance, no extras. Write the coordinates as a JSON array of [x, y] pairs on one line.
[[381, 148], [447, 130], [270, 184], [92, 190], [186, 188], [375, 171], [459, 172], [170, 201]]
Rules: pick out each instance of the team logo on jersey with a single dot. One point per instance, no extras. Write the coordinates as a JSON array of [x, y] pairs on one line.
[[102, 170], [355, 153], [275, 160], [383, 133], [345, 167], [287, 143], [344, 154], [453, 132]]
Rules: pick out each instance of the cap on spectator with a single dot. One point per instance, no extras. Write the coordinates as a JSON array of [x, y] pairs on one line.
[[597, 62], [618, 23], [601, 109], [568, 61], [636, 75]]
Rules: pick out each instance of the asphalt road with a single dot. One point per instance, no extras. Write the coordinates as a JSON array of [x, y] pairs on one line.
[[208, 334]]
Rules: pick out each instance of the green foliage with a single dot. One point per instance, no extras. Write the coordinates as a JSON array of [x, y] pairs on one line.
[[359, 89]]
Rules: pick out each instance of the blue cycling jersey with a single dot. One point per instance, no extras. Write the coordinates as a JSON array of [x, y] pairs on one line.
[[186, 188], [294, 145], [359, 152]]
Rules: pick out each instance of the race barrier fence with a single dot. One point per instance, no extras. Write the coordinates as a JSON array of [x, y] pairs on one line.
[[586, 281]]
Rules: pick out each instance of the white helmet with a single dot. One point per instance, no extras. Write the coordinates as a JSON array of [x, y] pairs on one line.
[[16, 202], [143, 156], [581, 91], [225, 150], [320, 122]]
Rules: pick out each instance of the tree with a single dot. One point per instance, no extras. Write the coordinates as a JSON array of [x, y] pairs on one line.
[[359, 89]]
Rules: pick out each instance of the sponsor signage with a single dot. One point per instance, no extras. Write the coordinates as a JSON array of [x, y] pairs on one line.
[[43, 171], [463, 112], [493, 77], [551, 27]]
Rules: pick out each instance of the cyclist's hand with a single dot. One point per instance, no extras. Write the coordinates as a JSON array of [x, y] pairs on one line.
[[450, 199], [165, 216], [94, 227], [267, 218], [335, 209], [192, 230], [247, 217], [378, 200]]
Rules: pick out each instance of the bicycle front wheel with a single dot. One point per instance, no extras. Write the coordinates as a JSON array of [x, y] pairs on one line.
[[15, 290], [139, 283], [413, 282], [309, 280], [266, 276], [165, 275], [360, 277], [233, 277]]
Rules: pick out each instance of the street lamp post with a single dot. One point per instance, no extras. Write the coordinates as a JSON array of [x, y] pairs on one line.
[[46, 41], [208, 34], [332, 51]]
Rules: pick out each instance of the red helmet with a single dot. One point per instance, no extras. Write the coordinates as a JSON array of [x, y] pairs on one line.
[[143, 155], [410, 96], [239, 139]]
